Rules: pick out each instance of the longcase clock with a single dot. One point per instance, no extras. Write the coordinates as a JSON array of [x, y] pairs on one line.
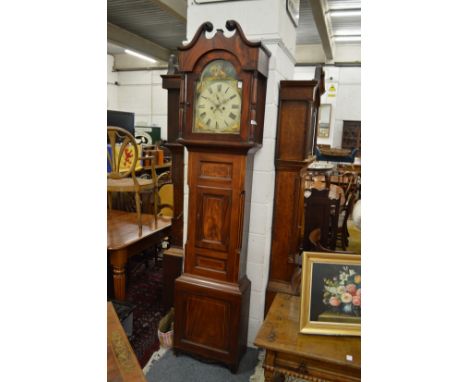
[[296, 137], [222, 105]]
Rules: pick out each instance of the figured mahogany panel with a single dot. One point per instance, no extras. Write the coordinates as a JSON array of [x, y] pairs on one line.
[[213, 218], [215, 171], [211, 333], [212, 317], [210, 264]]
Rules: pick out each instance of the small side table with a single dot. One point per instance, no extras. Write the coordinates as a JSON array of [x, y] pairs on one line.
[[311, 357]]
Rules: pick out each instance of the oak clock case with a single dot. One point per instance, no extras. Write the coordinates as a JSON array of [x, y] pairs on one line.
[[221, 124]]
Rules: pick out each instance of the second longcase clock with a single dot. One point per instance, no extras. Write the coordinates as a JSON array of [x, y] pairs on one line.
[[221, 124]]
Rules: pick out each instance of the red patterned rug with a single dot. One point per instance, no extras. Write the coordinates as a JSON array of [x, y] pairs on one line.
[[144, 289]]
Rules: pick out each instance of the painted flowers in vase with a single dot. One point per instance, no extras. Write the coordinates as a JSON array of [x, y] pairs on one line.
[[342, 293]]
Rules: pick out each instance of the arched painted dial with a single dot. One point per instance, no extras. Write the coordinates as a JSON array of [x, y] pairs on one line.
[[218, 107]]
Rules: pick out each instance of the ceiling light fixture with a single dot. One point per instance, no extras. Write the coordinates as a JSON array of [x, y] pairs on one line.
[[347, 32], [345, 13], [347, 38], [139, 55]]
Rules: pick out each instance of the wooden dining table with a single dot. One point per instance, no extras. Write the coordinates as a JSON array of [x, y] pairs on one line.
[[124, 241]]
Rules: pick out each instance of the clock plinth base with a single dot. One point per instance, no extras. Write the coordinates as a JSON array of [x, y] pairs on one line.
[[212, 318]]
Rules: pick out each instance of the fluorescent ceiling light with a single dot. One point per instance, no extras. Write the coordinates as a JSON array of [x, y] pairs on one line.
[[347, 32], [142, 56], [345, 13], [347, 38]]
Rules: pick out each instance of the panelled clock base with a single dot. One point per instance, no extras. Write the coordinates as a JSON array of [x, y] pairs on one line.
[[214, 318]]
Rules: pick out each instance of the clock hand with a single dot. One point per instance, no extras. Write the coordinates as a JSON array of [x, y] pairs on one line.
[[226, 100], [209, 99], [216, 105]]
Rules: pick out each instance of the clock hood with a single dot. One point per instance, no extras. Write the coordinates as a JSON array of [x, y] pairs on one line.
[[252, 55]]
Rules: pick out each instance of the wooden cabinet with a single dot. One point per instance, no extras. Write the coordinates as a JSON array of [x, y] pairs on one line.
[[296, 136], [351, 137]]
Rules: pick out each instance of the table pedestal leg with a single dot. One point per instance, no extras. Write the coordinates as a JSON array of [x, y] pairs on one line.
[[119, 282], [118, 259]]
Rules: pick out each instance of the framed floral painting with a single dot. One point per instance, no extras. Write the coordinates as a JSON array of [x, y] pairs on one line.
[[331, 294]]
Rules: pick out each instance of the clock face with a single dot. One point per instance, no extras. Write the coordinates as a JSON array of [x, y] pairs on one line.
[[218, 100]]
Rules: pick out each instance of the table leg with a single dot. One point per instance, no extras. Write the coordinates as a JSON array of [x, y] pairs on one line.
[[119, 282], [271, 375], [118, 261], [268, 375]]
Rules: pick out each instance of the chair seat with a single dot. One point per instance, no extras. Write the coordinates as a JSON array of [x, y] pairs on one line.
[[128, 185]]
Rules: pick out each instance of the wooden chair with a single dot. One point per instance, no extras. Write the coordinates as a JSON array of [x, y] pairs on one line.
[[320, 212], [164, 178], [342, 233], [347, 181], [122, 158], [314, 238], [166, 200]]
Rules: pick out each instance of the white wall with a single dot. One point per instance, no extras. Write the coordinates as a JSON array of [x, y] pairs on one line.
[[112, 89], [347, 103], [314, 53], [139, 92]]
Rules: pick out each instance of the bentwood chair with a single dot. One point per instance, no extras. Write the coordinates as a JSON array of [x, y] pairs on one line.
[[122, 159]]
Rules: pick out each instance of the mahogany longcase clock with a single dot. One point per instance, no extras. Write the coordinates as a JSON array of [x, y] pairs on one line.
[[222, 105]]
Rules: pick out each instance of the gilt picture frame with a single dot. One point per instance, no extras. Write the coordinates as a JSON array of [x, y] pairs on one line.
[[331, 294]]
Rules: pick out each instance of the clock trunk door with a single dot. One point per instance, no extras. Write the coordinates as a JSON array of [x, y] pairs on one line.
[[215, 202]]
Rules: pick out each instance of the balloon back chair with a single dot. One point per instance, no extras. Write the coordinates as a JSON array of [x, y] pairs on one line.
[[166, 194], [123, 157]]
